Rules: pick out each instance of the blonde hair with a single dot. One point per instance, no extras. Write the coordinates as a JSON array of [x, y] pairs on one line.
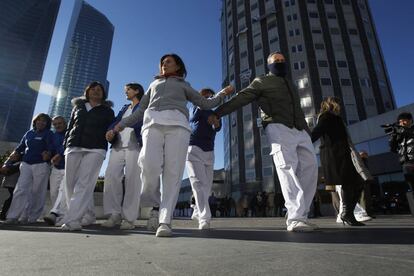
[[331, 104]]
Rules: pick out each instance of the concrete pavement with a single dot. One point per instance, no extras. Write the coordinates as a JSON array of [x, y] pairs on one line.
[[234, 246]]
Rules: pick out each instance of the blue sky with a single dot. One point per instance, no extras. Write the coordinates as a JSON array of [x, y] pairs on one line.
[[145, 30]]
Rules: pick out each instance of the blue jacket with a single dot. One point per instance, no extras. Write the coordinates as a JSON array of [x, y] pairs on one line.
[[33, 144], [58, 138], [136, 127], [202, 133]]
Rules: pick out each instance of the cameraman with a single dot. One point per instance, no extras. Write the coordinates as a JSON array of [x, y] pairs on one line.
[[402, 143]]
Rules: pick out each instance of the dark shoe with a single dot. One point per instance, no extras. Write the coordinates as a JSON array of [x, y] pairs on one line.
[[350, 220]]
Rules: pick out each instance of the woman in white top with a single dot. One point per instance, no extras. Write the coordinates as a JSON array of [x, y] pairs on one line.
[[166, 134]]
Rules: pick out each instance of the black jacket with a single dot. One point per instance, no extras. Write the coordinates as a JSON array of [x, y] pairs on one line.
[[402, 143], [335, 154], [87, 129]]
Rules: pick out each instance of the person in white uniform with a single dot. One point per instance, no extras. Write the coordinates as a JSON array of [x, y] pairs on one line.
[[85, 149], [166, 134], [30, 192], [200, 160], [121, 205], [288, 134]]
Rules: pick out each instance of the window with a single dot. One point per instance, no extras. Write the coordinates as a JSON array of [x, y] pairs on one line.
[[345, 82], [259, 62], [353, 31], [302, 65], [293, 49], [271, 25], [287, 3], [331, 15], [326, 81], [240, 3], [296, 66], [335, 31], [272, 40], [291, 33], [302, 83], [365, 82], [342, 63], [258, 47], [254, 6], [295, 16], [319, 46], [240, 15], [322, 63], [289, 18], [316, 31], [292, 2], [299, 47], [297, 32], [243, 54], [313, 15]]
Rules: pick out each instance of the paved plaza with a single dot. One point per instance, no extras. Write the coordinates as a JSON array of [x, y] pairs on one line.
[[234, 246]]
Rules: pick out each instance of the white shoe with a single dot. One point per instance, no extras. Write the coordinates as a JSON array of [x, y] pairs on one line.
[[299, 226], [88, 220], [127, 225], [338, 219], [50, 219], [71, 226], [152, 223], [114, 219], [205, 225], [194, 216], [164, 230], [313, 225], [362, 218]]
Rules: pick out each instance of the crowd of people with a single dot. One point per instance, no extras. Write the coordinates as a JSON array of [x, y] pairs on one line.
[[154, 137]]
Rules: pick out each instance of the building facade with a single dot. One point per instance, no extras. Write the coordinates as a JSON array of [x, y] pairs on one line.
[[332, 49], [85, 57], [26, 30]]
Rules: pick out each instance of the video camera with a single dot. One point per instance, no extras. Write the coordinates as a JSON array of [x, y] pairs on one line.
[[393, 128]]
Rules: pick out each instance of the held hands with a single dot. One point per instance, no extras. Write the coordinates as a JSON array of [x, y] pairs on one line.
[[56, 159], [14, 156], [228, 90], [46, 156], [110, 134], [213, 120]]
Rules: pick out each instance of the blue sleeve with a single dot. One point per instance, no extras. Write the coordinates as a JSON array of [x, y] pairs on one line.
[[22, 145], [117, 119]]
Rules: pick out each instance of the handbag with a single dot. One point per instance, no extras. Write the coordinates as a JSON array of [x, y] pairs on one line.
[[359, 164]]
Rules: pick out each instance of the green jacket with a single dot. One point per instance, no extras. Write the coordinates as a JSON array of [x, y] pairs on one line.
[[275, 96]]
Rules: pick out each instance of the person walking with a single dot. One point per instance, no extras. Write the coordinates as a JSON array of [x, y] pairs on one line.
[[122, 205], [85, 149], [166, 135], [200, 159], [288, 134]]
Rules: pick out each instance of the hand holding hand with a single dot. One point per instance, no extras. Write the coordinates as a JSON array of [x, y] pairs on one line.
[[110, 134], [228, 90], [46, 156], [56, 159], [15, 156], [118, 128], [213, 120]]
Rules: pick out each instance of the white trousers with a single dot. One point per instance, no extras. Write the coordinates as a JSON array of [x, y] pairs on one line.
[[30, 193], [200, 172], [81, 174], [115, 201], [296, 166], [55, 180], [163, 153], [60, 205]]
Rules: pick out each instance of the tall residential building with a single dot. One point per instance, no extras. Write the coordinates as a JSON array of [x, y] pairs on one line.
[[332, 49], [26, 29], [85, 57]]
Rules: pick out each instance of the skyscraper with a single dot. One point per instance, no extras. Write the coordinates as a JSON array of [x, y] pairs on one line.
[[332, 50], [85, 57], [26, 30]]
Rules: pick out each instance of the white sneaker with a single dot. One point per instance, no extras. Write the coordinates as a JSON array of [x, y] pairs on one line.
[[114, 219], [299, 226], [127, 225], [205, 225], [194, 216], [88, 220], [50, 219], [72, 226], [362, 218], [152, 223], [338, 219], [164, 230]]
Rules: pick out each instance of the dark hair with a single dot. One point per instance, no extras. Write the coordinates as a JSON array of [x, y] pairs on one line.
[[137, 87], [42, 116], [405, 116], [92, 85], [182, 72], [209, 90]]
